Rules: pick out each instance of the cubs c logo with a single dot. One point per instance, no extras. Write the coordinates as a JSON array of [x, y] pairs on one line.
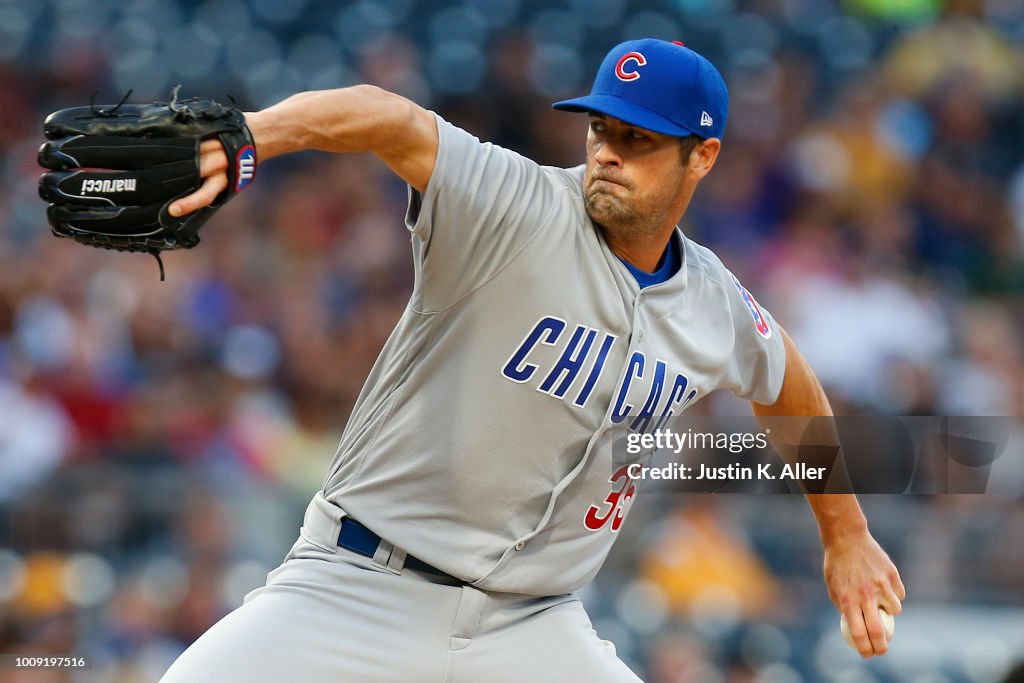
[[620, 68], [760, 322]]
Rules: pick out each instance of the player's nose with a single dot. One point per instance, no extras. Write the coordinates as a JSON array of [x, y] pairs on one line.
[[605, 154]]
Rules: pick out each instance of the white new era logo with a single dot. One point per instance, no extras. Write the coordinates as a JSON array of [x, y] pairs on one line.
[[705, 119]]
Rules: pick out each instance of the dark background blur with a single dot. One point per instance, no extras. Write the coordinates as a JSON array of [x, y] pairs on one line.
[[159, 441]]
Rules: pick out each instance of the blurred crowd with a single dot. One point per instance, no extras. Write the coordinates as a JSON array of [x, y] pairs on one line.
[[158, 440]]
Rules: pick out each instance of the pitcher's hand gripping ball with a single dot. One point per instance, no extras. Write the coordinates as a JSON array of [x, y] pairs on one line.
[[888, 623], [117, 169]]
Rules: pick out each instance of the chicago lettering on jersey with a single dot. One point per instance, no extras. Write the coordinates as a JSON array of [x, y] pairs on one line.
[[675, 399], [578, 350], [584, 353]]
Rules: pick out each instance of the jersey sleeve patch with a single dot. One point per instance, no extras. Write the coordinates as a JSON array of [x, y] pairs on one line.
[[760, 322]]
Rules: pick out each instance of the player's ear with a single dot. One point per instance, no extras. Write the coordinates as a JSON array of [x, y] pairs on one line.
[[703, 157]]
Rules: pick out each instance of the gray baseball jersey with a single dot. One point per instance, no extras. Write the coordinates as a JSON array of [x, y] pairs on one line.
[[479, 443]]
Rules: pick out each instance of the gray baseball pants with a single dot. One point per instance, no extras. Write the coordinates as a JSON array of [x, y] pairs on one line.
[[329, 614]]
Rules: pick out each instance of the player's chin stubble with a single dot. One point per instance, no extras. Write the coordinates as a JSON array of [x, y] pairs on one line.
[[607, 210], [631, 216], [616, 215]]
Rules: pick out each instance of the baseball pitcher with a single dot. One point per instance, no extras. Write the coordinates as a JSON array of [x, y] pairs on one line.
[[474, 490]]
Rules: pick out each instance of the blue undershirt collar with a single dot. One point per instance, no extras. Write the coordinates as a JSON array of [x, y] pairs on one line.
[[670, 262]]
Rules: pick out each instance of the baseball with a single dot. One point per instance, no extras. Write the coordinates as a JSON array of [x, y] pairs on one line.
[[888, 623]]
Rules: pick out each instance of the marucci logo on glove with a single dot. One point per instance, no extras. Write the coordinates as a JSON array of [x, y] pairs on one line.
[[122, 185], [245, 165]]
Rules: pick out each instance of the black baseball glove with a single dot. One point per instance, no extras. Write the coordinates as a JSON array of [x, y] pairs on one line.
[[117, 169]]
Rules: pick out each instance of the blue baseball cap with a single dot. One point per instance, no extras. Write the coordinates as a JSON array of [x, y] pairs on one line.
[[658, 85]]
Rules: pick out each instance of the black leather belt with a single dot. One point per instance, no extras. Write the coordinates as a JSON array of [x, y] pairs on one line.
[[357, 538]]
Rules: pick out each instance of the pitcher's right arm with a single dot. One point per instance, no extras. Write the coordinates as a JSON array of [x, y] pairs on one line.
[[362, 118]]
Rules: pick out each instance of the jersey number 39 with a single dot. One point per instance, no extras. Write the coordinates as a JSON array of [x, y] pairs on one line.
[[614, 507]]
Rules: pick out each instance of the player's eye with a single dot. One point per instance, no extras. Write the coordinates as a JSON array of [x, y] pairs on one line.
[[598, 126], [637, 135]]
